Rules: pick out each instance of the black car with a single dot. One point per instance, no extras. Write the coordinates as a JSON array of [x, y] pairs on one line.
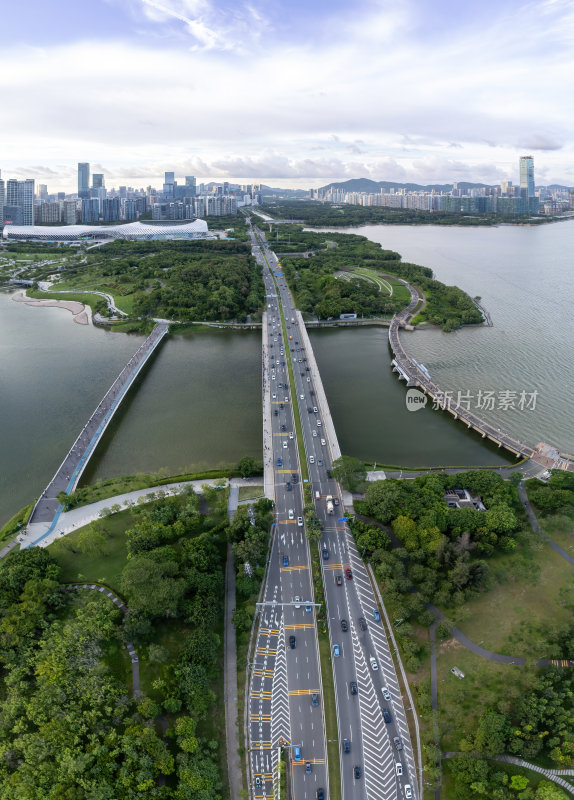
[[307, 369], [386, 715], [320, 794], [315, 700], [339, 580], [362, 623], [356, 771], [292, 642], [353, 687], [335, 500], [295, 477], [310, 410], [330, 475], [283, 428], [346, 746], [288, 486], [344, 625], [320, 462], [275, 411]]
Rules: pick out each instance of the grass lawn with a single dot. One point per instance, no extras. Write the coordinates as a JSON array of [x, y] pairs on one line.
[[486, 684], [531, 588], [250, 492], [560, 529], [103, 567]]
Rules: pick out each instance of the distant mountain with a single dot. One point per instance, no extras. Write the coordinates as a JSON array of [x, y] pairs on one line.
[[371, 187], [367, 185]]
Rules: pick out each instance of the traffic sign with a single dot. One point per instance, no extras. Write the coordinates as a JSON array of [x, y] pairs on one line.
[[343, 519]]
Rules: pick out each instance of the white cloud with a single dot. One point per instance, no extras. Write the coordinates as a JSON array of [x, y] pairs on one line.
[[218, 105]]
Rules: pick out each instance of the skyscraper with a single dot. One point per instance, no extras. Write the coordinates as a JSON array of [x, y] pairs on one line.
[[2, 199], [526, 176], [83, 179], [98, 180], [20, 194]]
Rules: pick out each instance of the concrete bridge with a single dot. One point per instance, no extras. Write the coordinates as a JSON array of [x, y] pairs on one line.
[[411, 372], [47, 510]]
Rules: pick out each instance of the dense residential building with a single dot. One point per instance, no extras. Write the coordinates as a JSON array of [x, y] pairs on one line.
[[90, 210], [47, 214], [111, 209], [2, 199], [83, 179], [69, 213]]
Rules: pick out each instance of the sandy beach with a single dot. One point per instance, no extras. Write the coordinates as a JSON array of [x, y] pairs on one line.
[[80, 313]]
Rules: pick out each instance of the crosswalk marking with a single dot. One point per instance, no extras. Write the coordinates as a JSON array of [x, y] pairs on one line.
[[270, 631]]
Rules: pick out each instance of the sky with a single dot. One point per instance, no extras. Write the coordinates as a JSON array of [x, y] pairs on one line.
[[297, 93]]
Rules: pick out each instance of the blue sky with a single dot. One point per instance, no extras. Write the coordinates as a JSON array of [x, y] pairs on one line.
[[296, 93]]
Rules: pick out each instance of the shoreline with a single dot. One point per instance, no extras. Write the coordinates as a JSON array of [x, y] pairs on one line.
[[81, 314]]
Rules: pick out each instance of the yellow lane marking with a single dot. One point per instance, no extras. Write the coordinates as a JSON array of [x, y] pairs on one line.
[[262, 651], [301, 627], [276, 402], [283, 472], [255, 695], [270, 631], [292, 569], [332, 566], [297, 692]]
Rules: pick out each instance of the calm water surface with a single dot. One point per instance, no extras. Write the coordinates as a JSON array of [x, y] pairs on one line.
[[525, 277]]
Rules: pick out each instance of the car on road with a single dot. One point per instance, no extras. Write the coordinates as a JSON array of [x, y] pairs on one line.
[[297, 601], [397, 743], [373, 663], [362, 623], [320, 794], [285, 561], [275, 412], [408, 791], [297, 753], [344, 625], [308, 609], [386, 694], [290, 434], [291, 514], [288, 486], [353, 687], [308, 379], [284, 445], [336, 650], [320, 463], [346, 746], [274, 396], [300, 521], [294, 477], [279, 462], [301, 396], [283, 428], [335, 499], [258, 782], [308, 767], [311, 459], [315, 700], [319, 423], [314, 433], [292, 642], [356, 772], [386, 715], [339, 580], [349, 574], [398, 769], [315, 410], [376, 614], [325, 554], [323, 442]]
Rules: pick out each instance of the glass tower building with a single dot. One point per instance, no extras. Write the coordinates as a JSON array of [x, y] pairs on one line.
[[526, 176]]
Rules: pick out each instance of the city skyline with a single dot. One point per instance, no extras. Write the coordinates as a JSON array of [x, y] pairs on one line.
[[289, 94]]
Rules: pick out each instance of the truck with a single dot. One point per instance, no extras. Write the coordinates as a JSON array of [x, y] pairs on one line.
[[329, 500]]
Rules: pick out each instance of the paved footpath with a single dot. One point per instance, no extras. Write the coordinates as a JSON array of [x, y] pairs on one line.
[[551, 774]]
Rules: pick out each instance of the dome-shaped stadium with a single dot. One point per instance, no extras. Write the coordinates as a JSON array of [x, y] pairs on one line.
[[141, 231]]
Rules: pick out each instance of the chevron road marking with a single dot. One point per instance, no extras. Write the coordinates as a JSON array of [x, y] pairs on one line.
[[280, 716], [384, 657], [379, 762]]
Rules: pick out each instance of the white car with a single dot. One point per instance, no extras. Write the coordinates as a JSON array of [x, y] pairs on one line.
[[297, 601], [290, 434], [319, 423], [386, 694], [284, 445], [373, 663], [323, 442], [300, 521], [311, 459], [399, 769], [302, 396], [308, 380], [291, 514], [315, 410], [408, 791], [274, 396], [314, 433]]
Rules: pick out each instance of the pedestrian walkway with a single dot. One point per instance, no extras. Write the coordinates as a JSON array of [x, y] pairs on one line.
[[44, 517], [124, 609], [551, 774]]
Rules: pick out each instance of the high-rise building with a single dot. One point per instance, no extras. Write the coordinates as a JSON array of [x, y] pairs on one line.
[[83, 179], [2, 200], [111, 211], [130, 210], [69, 212], [42, 191], [191, 185], [90, 210], [526, 176], [20, 194], [98, 180]]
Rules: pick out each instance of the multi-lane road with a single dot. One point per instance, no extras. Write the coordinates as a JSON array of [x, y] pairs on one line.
[[285, 697]]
